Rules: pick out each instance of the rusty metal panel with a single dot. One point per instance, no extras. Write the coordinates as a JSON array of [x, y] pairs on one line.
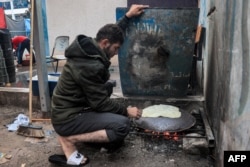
[[156, 57], [165, 3]]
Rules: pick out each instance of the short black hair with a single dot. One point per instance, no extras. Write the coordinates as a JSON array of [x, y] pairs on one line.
[[112, 32]]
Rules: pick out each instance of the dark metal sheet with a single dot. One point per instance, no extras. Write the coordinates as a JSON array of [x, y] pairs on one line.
[[165, 3], [156, 56], [164, 124]]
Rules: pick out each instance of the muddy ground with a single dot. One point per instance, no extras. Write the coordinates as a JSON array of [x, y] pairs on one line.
[[137, 151]]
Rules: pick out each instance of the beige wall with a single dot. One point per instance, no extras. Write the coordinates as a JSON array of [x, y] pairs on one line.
[[75, 17]]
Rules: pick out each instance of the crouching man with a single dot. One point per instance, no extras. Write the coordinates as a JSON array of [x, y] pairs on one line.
[[82, 110]]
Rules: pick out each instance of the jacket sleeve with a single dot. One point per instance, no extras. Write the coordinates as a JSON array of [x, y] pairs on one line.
[[123, 22], [95, 91]]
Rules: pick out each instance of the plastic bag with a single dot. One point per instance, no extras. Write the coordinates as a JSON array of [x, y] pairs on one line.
[[26, 58], [21, 119]]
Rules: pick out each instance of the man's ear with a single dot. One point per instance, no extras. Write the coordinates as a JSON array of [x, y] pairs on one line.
[[104, 43]]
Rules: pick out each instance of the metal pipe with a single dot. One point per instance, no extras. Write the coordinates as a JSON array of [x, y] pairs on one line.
[[208, 130]]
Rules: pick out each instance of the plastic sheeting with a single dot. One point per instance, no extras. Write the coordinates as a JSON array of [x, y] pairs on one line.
[[18, 27], [14, 25], [27, 25], [2, 19]]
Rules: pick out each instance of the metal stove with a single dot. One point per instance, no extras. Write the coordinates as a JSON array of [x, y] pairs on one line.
[[173, 141]]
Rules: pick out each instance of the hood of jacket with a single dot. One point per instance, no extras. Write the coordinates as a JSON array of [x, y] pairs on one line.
[[86, 47]]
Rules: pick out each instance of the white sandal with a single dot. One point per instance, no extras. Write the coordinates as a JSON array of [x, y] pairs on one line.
[[75, 158]]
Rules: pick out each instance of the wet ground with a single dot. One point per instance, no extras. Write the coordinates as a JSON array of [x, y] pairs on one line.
[[137, 151]]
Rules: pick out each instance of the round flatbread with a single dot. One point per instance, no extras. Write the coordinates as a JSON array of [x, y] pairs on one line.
[[161, 110]]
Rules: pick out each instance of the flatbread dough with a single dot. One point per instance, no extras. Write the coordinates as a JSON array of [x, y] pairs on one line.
[[161, 110]]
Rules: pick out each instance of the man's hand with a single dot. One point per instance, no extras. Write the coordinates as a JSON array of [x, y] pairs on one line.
[[134, 112], [136, 10]]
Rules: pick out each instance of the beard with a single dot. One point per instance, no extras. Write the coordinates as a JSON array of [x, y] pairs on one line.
[[108, 52]]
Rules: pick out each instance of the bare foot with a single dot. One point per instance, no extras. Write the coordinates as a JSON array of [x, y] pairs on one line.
[[67, 146]]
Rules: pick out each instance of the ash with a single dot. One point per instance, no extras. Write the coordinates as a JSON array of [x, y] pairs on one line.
[[161, 145], [156, 143]]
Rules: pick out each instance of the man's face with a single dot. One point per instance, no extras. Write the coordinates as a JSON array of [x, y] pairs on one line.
[[111, 49]]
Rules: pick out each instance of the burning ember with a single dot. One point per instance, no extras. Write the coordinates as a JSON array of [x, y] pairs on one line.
[[165, 135], [173, 136], [159, 142]]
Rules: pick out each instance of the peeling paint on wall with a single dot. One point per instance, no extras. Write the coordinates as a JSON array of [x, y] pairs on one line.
[[228, 96], [156, 56]]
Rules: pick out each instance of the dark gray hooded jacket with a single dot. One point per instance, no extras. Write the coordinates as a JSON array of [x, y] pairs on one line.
[[82, 81]]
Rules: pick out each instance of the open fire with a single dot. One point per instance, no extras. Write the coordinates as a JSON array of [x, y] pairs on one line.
[[170, 141], [198, 128], [165, 135]]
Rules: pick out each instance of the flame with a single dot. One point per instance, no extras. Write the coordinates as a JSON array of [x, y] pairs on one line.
[[176, 138], [166, 135], [173, 136]]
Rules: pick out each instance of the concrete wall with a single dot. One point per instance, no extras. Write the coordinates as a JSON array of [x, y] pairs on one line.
[[227, 79], [75, 17]]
